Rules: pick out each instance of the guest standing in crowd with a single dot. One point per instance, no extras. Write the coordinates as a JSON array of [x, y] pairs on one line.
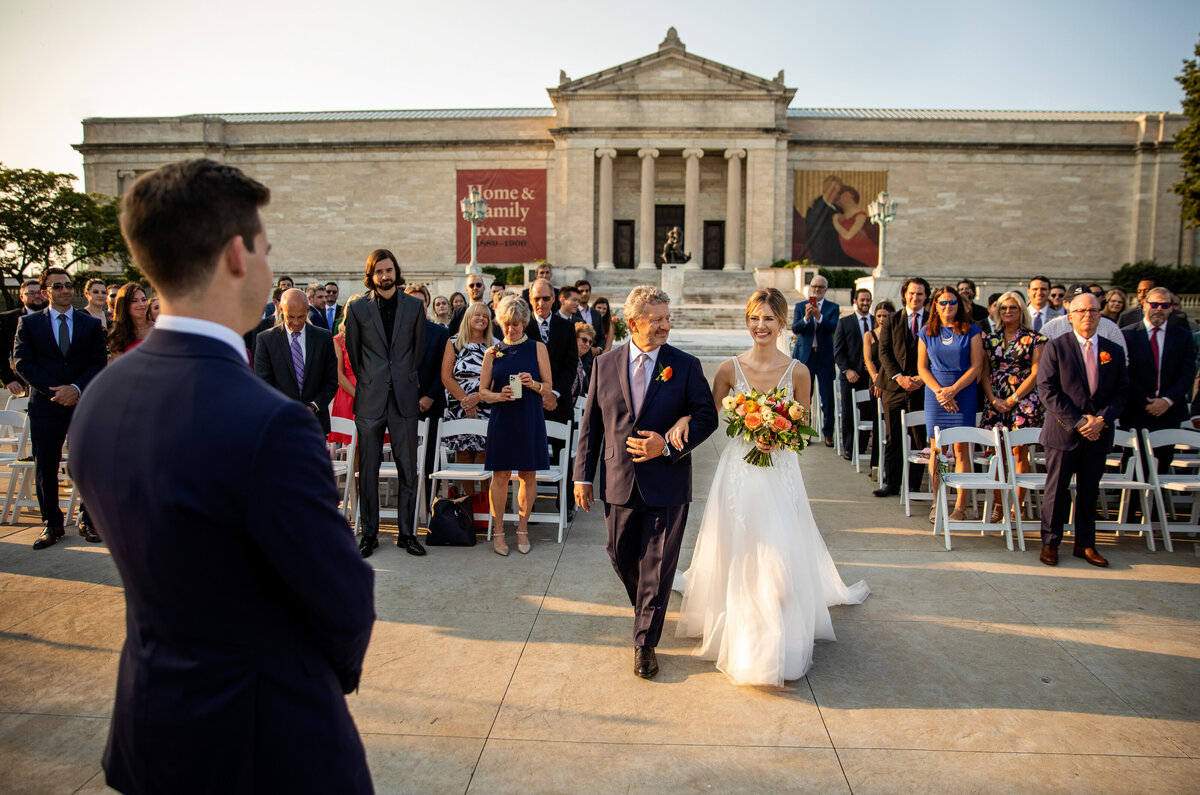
[[153, 310], [950, 358], [1114, 304], [385, 335], [474, 296], [568, 304], [604, 331], [1010, 365], [298, 359], [1058, 294], [901, 382], [585, 340], [58, 352], [979, 314], [333, 310], [457, 301], [1083, 383], [343, 400], [1040, 310], [316, 305], [517, 426], [97, 302], [112, 298], [848, 354], [813, 322], [1133, 314], [883, 313], [1061, 325], [462, 360], [544, 272], [586, 313], [32, 301], [131, 321], [558, 334], [248, 611], [441, 311], [432, 400]]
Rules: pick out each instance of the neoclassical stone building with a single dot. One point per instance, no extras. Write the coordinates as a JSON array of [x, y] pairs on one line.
[[674, 139]]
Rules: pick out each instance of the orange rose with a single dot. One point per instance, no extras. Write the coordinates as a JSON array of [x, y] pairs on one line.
[[781, 423], [753, 421], [740, 398], [750, 406], [1105, 357], [795, 412], [665, 374]]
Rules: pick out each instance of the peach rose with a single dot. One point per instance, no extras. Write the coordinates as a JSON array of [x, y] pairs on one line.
[[795, 412], [781, 423], [753, 420], [741, 410]]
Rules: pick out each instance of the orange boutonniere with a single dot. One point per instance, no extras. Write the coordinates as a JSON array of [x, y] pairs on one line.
[[664, 374], [1105, 357]]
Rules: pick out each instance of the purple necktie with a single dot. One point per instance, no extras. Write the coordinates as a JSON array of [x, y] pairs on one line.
[[864, 322], [1037, 321], [915, 316], [298, 360]]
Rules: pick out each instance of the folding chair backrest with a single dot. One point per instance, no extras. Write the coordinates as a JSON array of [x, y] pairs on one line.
[[448, 428], [862, 396], [980, 437], [1168, 437]]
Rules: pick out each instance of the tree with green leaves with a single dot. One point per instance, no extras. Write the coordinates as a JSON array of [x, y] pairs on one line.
[[44, 221], [1187, 142]]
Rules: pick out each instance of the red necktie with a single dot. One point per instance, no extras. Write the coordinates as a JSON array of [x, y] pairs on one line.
[[1154, 352]]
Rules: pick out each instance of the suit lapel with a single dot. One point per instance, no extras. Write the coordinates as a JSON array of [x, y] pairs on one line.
[[377, 316], [623, 375]]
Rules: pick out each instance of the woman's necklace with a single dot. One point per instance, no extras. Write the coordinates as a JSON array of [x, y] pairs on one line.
[[947, 336], [515, 342]]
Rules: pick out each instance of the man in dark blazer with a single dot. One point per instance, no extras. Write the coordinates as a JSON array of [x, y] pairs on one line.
[[385, 335], [248, 609], [1083, 384], [543, 271], [333, 310], [813, 322], [558, 334], [901, 385], [32, 301], [433, 394], [1162, 366], [646, 486], [58, 352], [316, 305], [848, 354], [979, 314], [278, 349]]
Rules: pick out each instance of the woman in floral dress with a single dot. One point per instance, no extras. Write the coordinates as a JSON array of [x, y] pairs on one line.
[[1010, 365], [460, 376]]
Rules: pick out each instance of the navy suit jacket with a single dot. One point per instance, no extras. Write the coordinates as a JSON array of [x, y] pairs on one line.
[[1063, 389], [608, 420], [38, 359], [429, 371], [1178, 356], [273, 364], [823, 331], [848, 348], [247, 606], [317, 318]]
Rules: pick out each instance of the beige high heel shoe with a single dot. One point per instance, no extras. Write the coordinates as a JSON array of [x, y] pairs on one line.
[[499, 545], [523, 546]]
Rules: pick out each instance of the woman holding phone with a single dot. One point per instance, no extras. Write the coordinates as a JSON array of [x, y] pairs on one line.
[[517, 427]]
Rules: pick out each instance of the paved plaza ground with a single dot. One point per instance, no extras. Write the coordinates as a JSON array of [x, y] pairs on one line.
[[974, 670]]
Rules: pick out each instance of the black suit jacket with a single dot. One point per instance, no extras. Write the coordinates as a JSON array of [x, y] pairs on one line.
[[1178, 356], [8, 335], [248, 607], [1063, 388], [429, 371], [564, 356], [317, 318], [273, 364], [979, 314], [848, 347], [898, 356], [38, 359]]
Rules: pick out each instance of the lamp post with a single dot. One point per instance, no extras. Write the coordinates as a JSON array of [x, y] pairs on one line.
[[474, 209], [882, 212]]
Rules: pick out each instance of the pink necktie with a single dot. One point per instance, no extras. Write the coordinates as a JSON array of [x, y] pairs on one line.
[[1089, 364], [1155, 352], [638, 384]]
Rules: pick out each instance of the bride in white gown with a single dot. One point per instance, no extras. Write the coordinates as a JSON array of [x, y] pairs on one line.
[[761, 580]]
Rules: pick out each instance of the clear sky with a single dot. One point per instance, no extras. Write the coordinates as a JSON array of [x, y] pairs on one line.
[[64, 60]]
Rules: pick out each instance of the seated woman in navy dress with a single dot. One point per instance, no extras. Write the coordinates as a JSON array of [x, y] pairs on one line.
[[950, 356], [517, 427]]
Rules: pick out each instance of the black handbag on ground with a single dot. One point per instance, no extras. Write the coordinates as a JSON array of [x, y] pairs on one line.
[[451, 523]]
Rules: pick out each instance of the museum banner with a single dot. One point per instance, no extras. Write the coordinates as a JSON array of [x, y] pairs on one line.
[[515, 227], [830, 226]]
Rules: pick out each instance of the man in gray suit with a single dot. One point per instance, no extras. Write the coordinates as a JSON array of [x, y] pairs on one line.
[[385, 333]]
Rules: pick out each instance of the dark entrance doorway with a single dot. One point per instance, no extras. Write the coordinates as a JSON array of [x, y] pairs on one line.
[[714, 245], [665, 217], [623, 244]]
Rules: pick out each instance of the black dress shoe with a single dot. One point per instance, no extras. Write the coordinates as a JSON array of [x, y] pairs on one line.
[[367, 545], [411, 545], [885, 493], [49, 537], [848, 455], [89, 535], [645, 662]]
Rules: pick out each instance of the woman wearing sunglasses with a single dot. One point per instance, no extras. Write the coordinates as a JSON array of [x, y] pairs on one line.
[[950, 354]]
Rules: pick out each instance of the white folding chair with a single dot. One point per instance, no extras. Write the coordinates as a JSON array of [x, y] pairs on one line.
[[343, 465], [838, 447], [18, 403], [860, 426], [908, 420], [446, 468], [1030, 481], [577, 423], [988, 482], [557, 475], [1128, 481], [1167, 485]]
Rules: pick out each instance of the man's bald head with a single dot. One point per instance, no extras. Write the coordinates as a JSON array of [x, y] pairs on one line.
[[294, 304]]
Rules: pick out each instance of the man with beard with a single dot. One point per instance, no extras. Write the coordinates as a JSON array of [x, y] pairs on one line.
[[32, 301]]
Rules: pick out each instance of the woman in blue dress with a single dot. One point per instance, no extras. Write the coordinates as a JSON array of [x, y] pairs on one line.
[[950, 355], [517, 427]]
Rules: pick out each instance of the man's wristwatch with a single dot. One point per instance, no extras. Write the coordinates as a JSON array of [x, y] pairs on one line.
[[666, 449]]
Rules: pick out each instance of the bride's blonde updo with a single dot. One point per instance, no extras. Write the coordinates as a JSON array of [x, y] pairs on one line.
[[774, 301]]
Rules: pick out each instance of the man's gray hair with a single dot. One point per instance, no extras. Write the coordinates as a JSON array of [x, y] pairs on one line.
[[637, 303], [512, 309]]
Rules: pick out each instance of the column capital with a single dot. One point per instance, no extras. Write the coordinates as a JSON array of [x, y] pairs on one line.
[[644, 153], [609, 153], [732, 153], [690, 153]]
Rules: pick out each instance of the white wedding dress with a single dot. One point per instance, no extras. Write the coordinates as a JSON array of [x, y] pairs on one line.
[[761, 580]]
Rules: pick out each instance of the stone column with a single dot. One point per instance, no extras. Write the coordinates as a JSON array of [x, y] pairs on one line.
[[691, 207], [646, 222], [604, 231], [733, 211]]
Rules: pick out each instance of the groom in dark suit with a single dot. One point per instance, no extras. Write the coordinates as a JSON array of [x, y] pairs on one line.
[[297, 358], [385, 335], [247, 608], [1084, 384], [637, 392]]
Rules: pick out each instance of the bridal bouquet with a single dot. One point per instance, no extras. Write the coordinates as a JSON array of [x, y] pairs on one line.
[[767, 417]]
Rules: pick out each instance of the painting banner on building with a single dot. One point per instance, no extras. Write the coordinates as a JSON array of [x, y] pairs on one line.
[[515, 227], [830, 226]]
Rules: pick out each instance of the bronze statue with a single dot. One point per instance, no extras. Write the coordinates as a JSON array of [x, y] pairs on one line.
[[672, 254]]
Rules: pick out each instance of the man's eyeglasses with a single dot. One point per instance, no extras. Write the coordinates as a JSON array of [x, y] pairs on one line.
[[1159, 304], [1085, 312], [476, 284], [542, 298]]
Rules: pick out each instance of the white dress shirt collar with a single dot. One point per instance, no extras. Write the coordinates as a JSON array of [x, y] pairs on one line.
[[635, 351], [202, 328]]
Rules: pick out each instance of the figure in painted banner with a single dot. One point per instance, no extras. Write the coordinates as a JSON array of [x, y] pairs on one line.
[[672, 252], [836, 230]]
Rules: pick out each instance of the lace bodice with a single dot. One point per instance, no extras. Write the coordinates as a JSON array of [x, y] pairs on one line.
[[742, 384]]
